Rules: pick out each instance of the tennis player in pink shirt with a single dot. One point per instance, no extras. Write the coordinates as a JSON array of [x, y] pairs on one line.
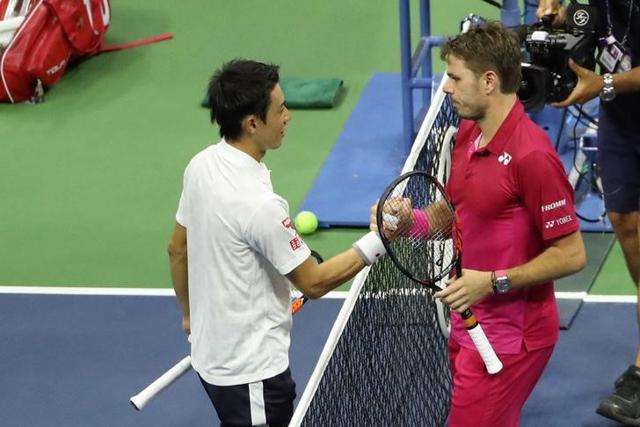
[[519, 230]]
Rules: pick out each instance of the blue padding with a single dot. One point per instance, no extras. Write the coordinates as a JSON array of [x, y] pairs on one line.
[[368, 155]]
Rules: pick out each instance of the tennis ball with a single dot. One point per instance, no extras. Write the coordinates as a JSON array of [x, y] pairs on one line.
[[306, 222]]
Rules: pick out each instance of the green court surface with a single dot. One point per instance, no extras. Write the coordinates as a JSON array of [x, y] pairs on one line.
[[614, 278], [597, 246], [91, 178]]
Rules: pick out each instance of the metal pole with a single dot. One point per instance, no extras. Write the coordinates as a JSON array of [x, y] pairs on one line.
[[405, 72], [510, 13]]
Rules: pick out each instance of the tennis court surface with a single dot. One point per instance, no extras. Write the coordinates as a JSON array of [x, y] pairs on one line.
[[74, 360]]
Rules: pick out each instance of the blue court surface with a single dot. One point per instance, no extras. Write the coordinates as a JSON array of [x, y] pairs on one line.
[[367, 156], [74, 360]]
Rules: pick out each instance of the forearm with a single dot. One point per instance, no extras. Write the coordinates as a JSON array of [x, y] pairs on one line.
[[629, 81], [337, 270], [555, 262], [180, 280], [315, 280]]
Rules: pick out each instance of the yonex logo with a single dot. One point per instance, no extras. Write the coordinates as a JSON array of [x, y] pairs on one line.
[[560, 221], [581, 17], [505, 158]]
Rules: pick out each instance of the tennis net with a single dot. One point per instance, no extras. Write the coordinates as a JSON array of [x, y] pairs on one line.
[[385, 361]]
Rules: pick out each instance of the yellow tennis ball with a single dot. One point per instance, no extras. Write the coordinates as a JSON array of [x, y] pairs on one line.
[[306, 222]]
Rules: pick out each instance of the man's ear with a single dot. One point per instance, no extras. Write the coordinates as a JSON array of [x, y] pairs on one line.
[[490, 81], [250, 124]]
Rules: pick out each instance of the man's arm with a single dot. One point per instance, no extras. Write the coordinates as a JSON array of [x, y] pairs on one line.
[[314, 280], [178, 264], [590, 84], [565, 256]]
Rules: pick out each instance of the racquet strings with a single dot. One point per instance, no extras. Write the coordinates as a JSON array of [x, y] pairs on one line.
[[417, 228]]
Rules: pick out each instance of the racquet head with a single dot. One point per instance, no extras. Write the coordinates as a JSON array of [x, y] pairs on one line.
[[418, 228]]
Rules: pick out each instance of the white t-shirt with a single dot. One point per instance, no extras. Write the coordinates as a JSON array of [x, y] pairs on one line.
[[240, 244]]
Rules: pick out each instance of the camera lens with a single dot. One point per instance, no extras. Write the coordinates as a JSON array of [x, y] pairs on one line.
[[532, 87]]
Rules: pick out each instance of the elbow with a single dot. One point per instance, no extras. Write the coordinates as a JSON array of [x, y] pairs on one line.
[[578, 261], [176, 251], [311, 291], [581, 263]]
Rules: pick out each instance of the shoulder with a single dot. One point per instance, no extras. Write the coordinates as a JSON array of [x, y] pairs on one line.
[[266, 208], [200, 158], [529, 138]]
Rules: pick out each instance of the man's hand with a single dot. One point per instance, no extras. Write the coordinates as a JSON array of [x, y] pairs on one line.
[[588, 87], [186, 325], [551, 7], [462, 292], [400, 214]]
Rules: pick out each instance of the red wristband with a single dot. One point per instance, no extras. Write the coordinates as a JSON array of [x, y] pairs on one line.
[[420, 226]]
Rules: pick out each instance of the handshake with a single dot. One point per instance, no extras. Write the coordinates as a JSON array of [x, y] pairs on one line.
[[397, 219]]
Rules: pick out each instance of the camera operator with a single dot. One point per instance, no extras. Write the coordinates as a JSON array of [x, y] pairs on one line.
[[618, 151]]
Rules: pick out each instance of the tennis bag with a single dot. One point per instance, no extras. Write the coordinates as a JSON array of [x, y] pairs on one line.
[[45, 36], [39, 38]]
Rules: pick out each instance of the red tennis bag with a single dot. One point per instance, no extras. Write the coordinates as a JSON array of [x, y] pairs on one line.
[[39, 38]]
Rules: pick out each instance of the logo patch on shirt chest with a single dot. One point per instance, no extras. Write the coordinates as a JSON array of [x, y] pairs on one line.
[[504, 158]]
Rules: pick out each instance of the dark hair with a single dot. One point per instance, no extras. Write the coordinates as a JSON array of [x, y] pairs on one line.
[[490, 46], [238, 89]]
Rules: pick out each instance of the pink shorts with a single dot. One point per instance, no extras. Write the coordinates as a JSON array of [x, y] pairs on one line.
[[480, 399]]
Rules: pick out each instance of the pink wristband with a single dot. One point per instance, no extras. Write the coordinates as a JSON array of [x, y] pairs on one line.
[[420, 226]]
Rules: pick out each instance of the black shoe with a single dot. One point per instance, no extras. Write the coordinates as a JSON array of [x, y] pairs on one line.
[[624, 404]]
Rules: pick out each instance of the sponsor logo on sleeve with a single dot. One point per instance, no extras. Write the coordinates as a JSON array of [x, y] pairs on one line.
[[554, 205], [559, 221], [286, 223], [295, 243]]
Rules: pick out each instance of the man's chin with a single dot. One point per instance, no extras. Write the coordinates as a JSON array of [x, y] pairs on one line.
[[470, 116]]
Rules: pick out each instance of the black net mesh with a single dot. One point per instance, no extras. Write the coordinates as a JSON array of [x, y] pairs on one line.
[[389, 366]]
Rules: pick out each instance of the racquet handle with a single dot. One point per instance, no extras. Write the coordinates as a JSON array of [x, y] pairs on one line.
[[140, 400], [489, 356], [298, 303]]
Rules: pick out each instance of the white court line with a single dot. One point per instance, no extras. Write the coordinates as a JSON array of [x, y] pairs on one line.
[[611, 298], [167, 292], [597, 298], [571, 295], [71, 290]]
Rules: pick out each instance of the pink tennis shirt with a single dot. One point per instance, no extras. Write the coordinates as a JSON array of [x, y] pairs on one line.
[[513, 199]]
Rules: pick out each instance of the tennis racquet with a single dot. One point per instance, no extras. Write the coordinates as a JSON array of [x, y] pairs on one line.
[[419, 229], [140, 400]]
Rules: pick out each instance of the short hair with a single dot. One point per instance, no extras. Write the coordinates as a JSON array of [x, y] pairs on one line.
[[490, 46], [238, 89]]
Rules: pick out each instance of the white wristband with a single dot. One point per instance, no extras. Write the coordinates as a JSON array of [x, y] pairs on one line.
[[370, 247]]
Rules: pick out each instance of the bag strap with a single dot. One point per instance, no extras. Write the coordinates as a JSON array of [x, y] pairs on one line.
[[137, 43]]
